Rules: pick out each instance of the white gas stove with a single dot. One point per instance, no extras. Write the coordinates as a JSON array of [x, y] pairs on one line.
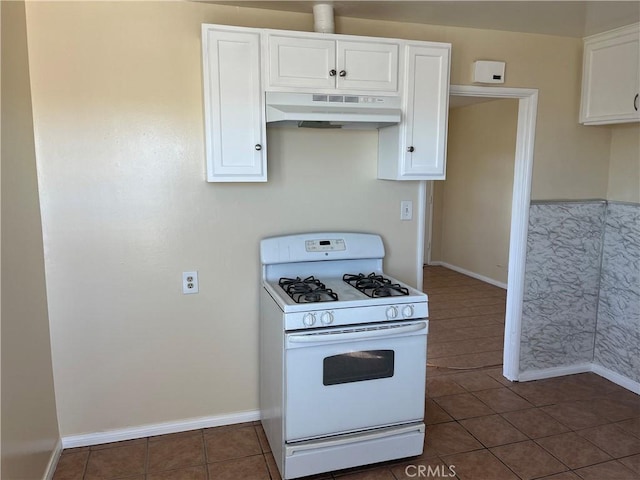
[[343, 354]]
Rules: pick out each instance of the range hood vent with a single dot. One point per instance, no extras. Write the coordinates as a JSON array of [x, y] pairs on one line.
[[332, 111]]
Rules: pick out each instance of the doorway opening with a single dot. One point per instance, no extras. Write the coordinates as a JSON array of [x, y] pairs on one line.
[[520, 199]]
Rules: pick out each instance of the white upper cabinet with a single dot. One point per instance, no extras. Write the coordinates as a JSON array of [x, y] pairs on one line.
[[416, 149], [611, 77], [235, 129], [241, 64], [301, 62], [367, 66], [321, 64]]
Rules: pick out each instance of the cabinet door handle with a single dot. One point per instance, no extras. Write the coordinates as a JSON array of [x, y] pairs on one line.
[[343, 73], [410, 149], [332, 73], [635, 102], [258, 147]]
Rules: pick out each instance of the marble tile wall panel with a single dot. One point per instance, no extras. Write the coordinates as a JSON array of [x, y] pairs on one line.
[[561, 284], [618, 329]]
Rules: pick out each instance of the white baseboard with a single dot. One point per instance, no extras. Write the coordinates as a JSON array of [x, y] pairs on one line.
[[616, 378], [468, 273], [53, 461], [610, 375], [158, 429], [529, 375]]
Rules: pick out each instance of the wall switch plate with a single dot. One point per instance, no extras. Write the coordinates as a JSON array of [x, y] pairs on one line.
[[406, 210], [190, 282]]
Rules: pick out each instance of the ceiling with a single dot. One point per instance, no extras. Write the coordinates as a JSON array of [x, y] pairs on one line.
[[565, 18]]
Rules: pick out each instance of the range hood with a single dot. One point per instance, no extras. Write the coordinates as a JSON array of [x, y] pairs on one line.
[[332, 111]]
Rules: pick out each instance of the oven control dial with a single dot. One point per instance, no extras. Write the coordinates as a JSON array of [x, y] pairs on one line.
[[392, 312], [326, 318], [309, 319], [407, 311]]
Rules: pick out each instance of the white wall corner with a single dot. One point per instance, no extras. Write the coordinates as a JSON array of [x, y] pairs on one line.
[[616, 378], [53, 461]]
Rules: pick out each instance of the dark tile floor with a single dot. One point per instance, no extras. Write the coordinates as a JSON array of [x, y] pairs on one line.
[[479, 425]]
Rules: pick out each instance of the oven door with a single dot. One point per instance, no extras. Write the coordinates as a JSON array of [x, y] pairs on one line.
[[342, 380]]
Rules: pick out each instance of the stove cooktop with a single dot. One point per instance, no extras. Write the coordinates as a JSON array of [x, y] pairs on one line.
[[312, 290], [327, 274]]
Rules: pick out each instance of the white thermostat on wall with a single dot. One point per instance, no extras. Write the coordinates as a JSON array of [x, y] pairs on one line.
[[488, 72]]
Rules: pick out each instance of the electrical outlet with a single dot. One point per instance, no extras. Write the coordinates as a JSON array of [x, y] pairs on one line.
[[406, 210], [190, 282]]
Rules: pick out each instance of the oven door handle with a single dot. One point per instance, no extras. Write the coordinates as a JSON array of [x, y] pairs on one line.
[[357, 334]]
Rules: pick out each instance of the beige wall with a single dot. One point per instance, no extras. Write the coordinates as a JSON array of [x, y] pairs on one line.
[[475, 205], [126, 210], [624, 165], [29, 421], [117, 98]]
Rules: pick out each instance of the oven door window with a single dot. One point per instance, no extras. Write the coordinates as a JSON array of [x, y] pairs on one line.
[[358, 366]]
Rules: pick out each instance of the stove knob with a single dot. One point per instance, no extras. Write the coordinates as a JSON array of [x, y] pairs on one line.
[[392, 312], [309, 319], [407, 312], [326, 318]]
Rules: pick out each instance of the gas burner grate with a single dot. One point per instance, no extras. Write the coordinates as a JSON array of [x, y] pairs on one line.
[[375, 285], [308, 290]]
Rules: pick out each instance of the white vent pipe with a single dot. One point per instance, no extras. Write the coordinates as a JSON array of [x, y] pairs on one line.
[[323, 18]]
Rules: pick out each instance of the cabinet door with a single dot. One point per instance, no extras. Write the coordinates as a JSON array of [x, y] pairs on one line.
[[611, 77], [301, 62], [425, 141], [367, 66], [235, 128]]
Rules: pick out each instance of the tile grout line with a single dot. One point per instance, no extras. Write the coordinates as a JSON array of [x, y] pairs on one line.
[[146, 460], [573, 469], [204, 455], [86, 464]]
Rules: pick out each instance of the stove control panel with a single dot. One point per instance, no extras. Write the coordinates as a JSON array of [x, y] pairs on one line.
[[407, 311], [330, 245], [353, 316]]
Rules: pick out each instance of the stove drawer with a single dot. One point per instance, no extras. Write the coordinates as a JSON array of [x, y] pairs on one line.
[[346, 380], [316, 456]]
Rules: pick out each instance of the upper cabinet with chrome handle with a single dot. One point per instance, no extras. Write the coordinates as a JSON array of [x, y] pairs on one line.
[[305, 62], [611, 77]]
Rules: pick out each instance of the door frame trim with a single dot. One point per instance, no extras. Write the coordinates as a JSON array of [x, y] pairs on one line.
[[523, 168]]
